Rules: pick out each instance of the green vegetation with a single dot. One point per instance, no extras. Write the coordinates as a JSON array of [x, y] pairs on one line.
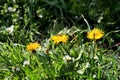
[[62, 49]]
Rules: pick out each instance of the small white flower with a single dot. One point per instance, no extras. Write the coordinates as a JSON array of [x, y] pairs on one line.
[[67, 58], [41, 16], [26, 62], [10, 9], [81, 71], [94, 76], [10, 29]]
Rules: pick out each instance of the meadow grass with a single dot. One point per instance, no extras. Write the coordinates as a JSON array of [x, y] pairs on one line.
[[73, 59], [59, 40]]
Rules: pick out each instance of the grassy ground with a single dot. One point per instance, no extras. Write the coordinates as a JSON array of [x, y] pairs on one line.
[[59, 40], [73, 59]]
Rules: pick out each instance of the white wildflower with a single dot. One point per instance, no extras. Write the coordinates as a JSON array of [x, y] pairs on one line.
[[10, 29], [67, 58], [41, 16], [94, 76], [26, 62], [10, 9], [81, 71]]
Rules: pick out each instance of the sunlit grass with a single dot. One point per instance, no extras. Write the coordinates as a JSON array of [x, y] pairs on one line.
[[73, 60], [52, 40]]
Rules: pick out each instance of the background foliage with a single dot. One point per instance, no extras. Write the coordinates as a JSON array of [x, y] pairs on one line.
[[34, 19]]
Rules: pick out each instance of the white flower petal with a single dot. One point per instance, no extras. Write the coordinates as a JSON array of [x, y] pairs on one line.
[[10, 29]]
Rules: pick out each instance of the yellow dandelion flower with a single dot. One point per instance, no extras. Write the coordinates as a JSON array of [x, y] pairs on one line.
[[33, 46], [95, 34], [59, 38]]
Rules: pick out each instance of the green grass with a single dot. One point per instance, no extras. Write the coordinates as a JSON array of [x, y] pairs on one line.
[[38, 20], [89, 60]]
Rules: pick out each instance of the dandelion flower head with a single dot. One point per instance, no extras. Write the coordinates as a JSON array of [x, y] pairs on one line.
[[95, 34], [59, 38], [33, 46]]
